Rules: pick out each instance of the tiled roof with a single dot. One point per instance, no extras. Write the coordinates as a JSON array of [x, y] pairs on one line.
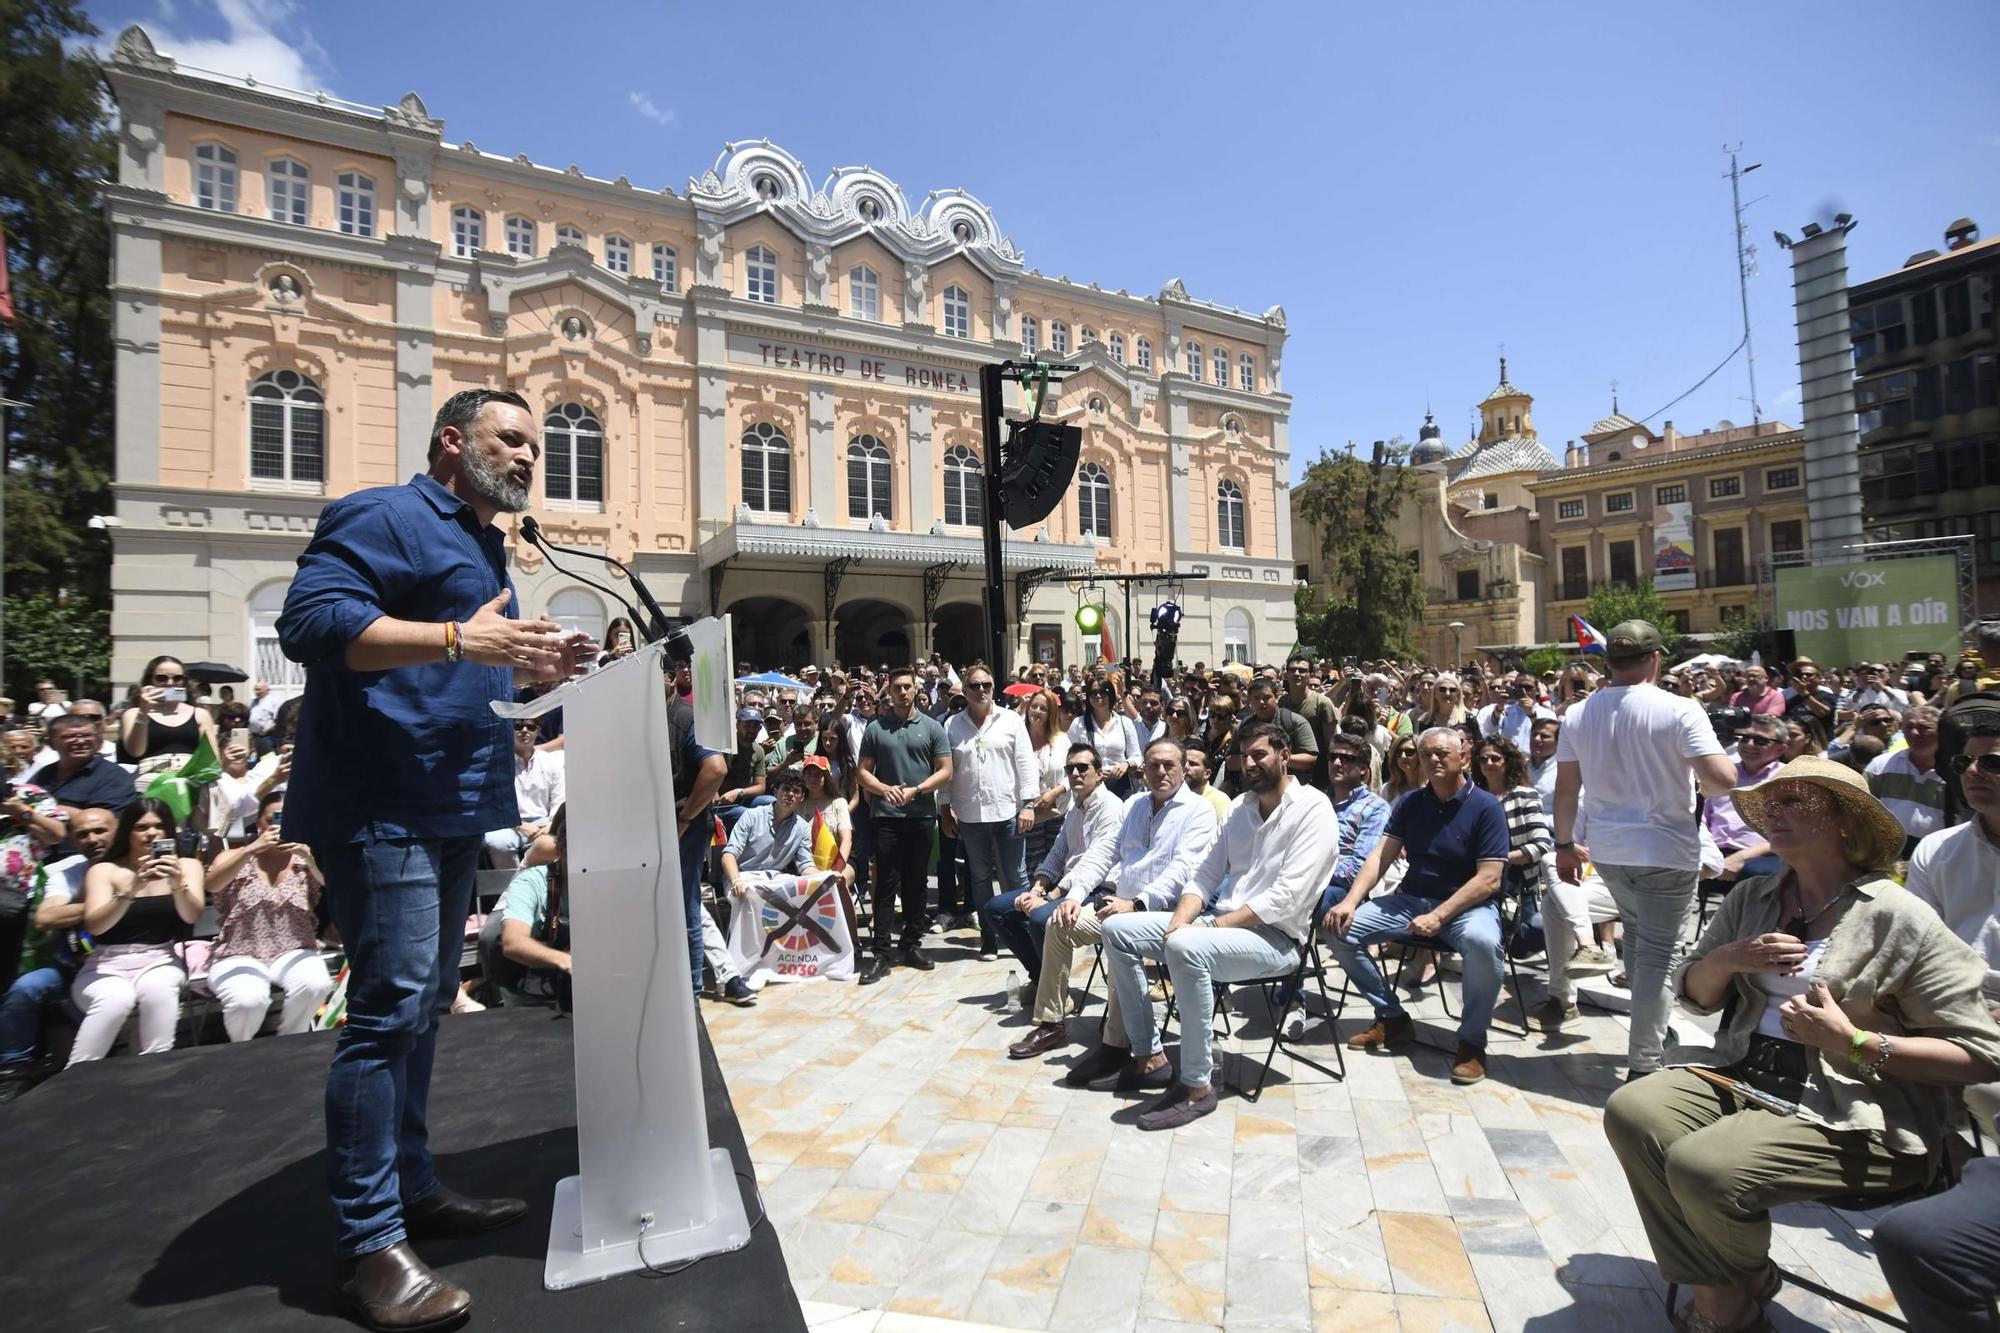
[[1617, 421], [1517, 453], [1505, 390]]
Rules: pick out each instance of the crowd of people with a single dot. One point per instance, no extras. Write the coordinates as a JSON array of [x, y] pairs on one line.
[[1218, 824]]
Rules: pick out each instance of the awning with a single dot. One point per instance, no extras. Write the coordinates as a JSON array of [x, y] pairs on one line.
[[918, 550]]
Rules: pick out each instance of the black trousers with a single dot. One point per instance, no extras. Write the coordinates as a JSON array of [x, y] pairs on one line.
[[1942, 1254], [902, 858]]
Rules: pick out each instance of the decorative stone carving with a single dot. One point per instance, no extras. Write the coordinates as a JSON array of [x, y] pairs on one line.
[[496, 325], [743, 514], [937, 528], [136, 48], [574, 329], [876, 523], [1275, 317], [644, 342], [819, 266], [412, 114], [284, 288], [1175, 290], [811, 519], [708, 253]]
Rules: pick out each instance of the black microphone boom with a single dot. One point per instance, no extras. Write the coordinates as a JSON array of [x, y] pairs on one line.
[[651, 631]]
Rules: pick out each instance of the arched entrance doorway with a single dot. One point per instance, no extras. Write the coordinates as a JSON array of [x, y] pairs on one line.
[[871, 633], [961, 635], [771, 633]]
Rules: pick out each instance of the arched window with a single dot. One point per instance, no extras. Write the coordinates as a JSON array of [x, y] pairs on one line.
[[957, 312], [1222, 367], [964, 487], [566, 234], [354, 203], [1058, 337], [573, 457], [864, 293], [1246, 373], [1093, 503], [574, 609], [268, 662], [1236, 642], [1144, 349], [215, 177], [287, 432], [1031, 335], [760, 275], [666, 268], [1229, 515], [1086, 336], [1193, 358], [618, 254], [1118, 348], [468, 231], [767, 469], [521, 236], [868, 479], [287, 189]]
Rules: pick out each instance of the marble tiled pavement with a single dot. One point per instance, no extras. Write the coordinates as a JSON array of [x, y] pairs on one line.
[[920, 1180]]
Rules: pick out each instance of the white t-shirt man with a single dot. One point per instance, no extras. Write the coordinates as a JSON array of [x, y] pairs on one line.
[[1633, 744], [1957, 872]]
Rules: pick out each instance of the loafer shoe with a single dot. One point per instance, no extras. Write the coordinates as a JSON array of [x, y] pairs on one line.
[[878, 967], [917, 958], [1101, 1061], [1469, 1065], [1045, 1038], [393, 1291], [1135, 1077], [1553, 1013], [1177, 1108], [445, 1213], [1385, 1033]]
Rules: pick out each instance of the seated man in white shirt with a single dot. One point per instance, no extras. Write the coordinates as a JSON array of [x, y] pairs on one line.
[[538, 791], [1021, 919], [1163, 834], [1275, 853], [1957, 872]]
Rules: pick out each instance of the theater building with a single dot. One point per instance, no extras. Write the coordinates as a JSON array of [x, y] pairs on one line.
[[760, 391]]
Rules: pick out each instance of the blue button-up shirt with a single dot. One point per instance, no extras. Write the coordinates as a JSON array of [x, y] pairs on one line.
[[416, 752], [1363, 816]]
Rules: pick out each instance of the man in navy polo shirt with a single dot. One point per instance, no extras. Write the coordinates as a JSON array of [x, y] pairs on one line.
[[1455, 836]]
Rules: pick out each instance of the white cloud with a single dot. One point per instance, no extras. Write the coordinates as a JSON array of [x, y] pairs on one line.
[[644, 105], [253, 45]]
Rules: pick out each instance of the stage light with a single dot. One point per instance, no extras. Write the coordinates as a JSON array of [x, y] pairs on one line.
[[1090, 618]]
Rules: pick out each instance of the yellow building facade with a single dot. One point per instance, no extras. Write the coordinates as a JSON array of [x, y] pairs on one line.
[[761, 391]]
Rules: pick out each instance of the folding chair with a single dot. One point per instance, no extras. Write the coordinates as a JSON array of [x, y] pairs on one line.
[[1437, 948], [1310, 967]]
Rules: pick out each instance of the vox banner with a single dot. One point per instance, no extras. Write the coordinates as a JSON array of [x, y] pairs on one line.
[[1871, 610]]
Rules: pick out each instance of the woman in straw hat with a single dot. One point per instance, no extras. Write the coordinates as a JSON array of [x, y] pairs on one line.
[[1840, 993]]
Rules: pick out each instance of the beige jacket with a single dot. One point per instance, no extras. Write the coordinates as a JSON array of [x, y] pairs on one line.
[[1895, 968]]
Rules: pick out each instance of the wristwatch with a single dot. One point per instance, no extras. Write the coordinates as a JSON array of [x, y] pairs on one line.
[[1565, 846]]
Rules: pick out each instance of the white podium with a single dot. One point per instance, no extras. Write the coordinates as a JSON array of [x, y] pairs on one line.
[[651, 1192]]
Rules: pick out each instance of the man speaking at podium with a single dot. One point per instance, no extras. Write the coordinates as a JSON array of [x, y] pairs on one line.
[[405, 620]]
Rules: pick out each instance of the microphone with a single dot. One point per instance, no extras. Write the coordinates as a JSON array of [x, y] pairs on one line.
[[651, 630]]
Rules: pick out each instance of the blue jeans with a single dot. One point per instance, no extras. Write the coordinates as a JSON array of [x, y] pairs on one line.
[[1473, 935], [1021, 933], [992, 850], [1196, 957], [694, 859], [729, 814], [21, 1012], [400, 906]]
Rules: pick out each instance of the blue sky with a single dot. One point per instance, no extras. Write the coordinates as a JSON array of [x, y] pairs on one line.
[[1417, 184]]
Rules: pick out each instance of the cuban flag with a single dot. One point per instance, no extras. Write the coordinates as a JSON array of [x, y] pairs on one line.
[[1588, 640]]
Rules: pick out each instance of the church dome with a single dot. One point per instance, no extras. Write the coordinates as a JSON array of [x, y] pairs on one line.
[[1430, 447]]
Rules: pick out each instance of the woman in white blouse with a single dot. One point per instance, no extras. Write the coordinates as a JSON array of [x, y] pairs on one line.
[[1112, 735]]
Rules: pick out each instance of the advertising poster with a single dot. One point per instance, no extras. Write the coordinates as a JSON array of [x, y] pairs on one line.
[[790, 928], [1871, 610], [1673, 546]]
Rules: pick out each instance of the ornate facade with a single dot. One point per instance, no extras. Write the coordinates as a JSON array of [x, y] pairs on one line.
[[760, 392]]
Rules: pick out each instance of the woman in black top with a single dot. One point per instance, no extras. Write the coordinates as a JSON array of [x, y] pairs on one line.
[[164, 728], [140, 901]]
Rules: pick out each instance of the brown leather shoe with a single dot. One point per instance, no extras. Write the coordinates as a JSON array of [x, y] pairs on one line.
[[1386, 1033], [1470, 1064], [1046, 1037], [393, 1291], [444, 1213]]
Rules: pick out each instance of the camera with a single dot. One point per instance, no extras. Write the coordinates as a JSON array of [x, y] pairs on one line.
[[1726, 722], [162, 847]]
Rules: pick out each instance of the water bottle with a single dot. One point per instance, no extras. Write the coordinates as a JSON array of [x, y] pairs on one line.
[[1012, 989]]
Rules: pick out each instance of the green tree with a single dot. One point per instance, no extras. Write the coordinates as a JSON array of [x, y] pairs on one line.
[[1611, 604], [1378, 598], [1545, 659], [68, 643], [1742, 634], [56, 357]]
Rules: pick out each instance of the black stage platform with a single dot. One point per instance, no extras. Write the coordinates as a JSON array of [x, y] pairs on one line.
[[187, 1191]]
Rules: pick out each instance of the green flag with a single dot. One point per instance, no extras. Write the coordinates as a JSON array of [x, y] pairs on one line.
[[177, 788]]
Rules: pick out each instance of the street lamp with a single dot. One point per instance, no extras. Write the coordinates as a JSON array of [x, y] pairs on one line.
[[1457, 627]]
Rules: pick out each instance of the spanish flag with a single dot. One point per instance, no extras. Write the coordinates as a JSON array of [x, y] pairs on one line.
[[825, 847]]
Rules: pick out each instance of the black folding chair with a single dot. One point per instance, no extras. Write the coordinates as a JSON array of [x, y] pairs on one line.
[[1509, 903], [1310, 967]]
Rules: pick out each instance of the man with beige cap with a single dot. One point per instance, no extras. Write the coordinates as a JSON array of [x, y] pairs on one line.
[[1626, 758]]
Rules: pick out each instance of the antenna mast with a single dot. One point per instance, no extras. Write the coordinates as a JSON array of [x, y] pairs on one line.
[[1746, 264]]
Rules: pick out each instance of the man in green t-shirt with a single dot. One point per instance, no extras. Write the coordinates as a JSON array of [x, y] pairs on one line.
[[743, 784], [904, 759]]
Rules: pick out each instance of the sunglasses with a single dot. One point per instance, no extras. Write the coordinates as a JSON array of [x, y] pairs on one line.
[[1987, 764], [161, 678], [983, 686], [1760, 740], [529, 729], [1079, 768]]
